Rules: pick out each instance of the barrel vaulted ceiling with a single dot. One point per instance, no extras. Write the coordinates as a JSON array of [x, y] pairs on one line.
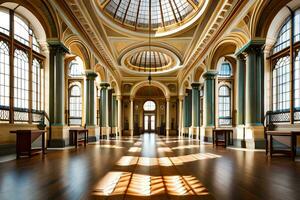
[[119, 34]]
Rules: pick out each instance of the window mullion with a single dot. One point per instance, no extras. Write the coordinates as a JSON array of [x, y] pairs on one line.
[[30, 81], [292, 69], [11, 63]]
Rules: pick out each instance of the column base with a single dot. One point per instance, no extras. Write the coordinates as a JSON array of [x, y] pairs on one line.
[[194, 132], [114, 132], [167, 132], [105, 132], [239, 137], [59, 137], [208, 131], [131, 132], [254, 137], [185, 132], [94, 133]]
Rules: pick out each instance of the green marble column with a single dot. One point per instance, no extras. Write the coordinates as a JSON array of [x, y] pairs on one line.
[[196, 104], [103, 103], [57, 83], [241, 67], [254, 97], [188, 109], [209, 94], [90, 98], [114, 111], [254, 85]]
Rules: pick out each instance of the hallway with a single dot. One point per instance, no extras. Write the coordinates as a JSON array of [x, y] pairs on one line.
[[150, 167]]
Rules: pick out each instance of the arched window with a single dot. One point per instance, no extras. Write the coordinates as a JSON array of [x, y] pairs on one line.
[[76, 67], [26, 65], [224, 105], [36, 85], [281, 84], [297, 81], [4, 22], [75, 105], [283, 94], [149, 106], [21, 80], [225, 70], [4, 75], [284, 36]]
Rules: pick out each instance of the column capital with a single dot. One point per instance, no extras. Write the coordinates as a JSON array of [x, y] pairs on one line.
[[58, 46], [181, 97], [251, 46], [208, 75], [195, 85], [90, 74], [168, 99], [104, 85], [119, 97]]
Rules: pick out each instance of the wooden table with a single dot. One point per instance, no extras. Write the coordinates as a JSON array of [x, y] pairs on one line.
[[227, 135], [75, 132], [293, 138], [25, 139]]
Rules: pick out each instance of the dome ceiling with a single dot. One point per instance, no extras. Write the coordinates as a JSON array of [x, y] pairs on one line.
[[145, 60], [151, 14]]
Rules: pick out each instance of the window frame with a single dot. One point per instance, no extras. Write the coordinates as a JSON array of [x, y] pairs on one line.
[[16, 115], [291, 115]]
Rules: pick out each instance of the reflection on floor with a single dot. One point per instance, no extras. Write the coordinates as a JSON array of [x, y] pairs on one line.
[[150, 169]]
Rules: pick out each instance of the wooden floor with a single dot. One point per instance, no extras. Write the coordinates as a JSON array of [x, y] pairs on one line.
[[150, 167]]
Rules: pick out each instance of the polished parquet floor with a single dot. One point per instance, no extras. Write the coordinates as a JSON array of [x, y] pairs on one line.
[[150, 167]]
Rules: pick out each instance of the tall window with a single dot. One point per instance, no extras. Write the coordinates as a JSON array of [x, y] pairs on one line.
[[225, 70], [75, 105], [281, 84], [21, 80], [224, 94], [224, 105], [36, 85], [297, 81], [4, 74], [26, 96], [283, 63], [76, 67], [149, 106]]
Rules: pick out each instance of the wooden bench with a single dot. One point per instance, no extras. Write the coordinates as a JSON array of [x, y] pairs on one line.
[[289, 151], [75, 132], [222, 137], [24, 141]]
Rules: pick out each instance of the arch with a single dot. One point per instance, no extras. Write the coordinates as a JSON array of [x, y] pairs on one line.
[[224, 48], [157, 84], [198, 73], [149, 105], [37, 12], [100, 70], [79, 48], [264, 14]]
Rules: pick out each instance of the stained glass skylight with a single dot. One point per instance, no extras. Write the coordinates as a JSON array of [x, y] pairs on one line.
[[154, 14]]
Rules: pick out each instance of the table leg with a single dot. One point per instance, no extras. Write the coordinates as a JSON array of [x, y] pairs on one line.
[[43, 143], [225, 138], [267, 144], [293, 147], [213, 138], [271, 146], [76, 141], [85, 139]]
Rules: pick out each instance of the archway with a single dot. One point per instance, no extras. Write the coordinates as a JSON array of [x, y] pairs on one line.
[[149, 110]]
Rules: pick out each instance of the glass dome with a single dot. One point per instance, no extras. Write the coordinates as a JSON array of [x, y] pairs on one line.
[[153, 14], [149, 60]]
